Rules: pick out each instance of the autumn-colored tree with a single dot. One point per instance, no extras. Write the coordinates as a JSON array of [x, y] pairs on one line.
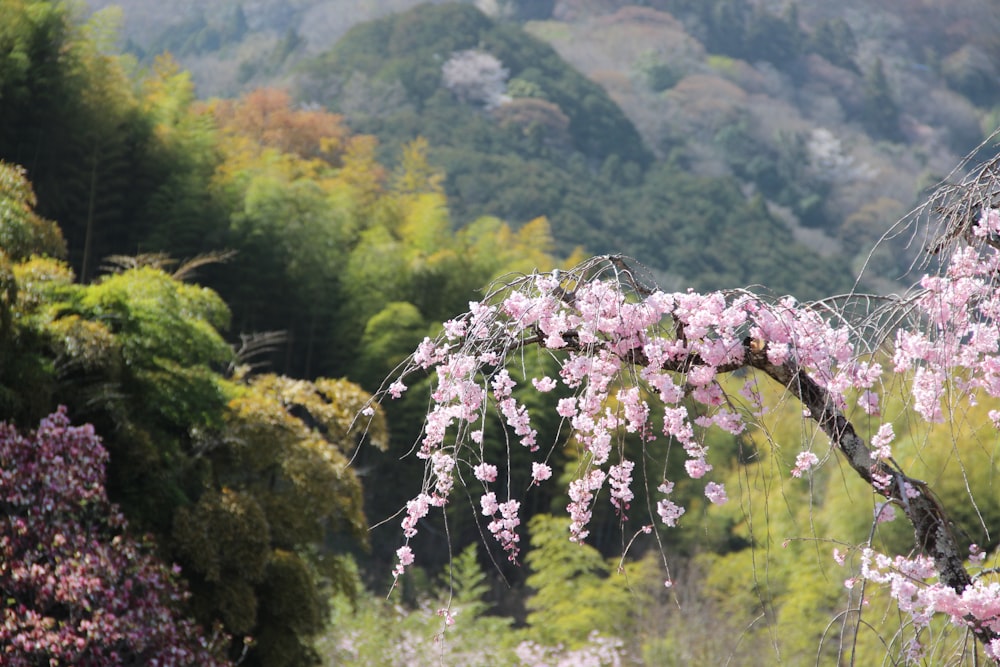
[[267, 119], [297, 189]]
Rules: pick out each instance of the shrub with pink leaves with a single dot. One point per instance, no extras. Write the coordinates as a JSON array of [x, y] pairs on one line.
[[77, 588]]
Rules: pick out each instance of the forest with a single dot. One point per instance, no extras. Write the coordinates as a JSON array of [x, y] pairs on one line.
[[203, 292]]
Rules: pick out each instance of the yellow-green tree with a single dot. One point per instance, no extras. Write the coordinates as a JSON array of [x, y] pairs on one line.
[[575, 591]]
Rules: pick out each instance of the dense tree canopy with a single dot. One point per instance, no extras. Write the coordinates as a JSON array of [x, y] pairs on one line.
[[550, 143], [242, 478]]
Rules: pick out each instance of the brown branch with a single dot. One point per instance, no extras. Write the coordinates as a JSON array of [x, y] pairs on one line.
[[931, 525]]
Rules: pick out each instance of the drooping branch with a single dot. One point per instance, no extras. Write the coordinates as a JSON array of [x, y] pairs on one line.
[[600, 321], [933, 535]]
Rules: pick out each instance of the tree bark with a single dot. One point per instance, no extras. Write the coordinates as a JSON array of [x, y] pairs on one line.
[[931, 525]]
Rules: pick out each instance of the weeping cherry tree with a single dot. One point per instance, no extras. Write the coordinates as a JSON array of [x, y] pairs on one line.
[[635, 360]]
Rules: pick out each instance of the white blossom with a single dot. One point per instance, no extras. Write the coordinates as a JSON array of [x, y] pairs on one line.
[[476, 77]]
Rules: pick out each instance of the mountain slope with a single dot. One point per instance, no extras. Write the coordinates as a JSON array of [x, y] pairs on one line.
[[837, 116], [519, 134]]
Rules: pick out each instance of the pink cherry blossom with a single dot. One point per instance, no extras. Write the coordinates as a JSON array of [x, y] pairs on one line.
[[545, 384], [869, 402], [566, 407], [803, 463], [454, 329], [882, 440], [697, 468], [669, 511], [488, 503], [716, 493], [540, 472], [618, 345], [485, 472], [504, 527], [581, 494], [884, 512], [405, 556], [620, 481]]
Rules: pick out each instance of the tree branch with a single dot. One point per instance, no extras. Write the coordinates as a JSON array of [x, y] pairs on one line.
[[931, 525]]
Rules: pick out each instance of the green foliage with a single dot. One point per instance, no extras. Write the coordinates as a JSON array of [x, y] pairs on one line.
[[775, 168], [709, 223], [574, 592], [416, 39], [880, 112], [181, 216], [22, 231], [742, 30], [659, 76], [245, 481], [318, 492], [467, 582], [448, 625], [390, 336], [200, 33], [287, 443], [32, 74], [290, 615], [224, 539], [971, 71], [168, 335], [378, 632], [536, 155], [294, 190], [72, 116], [834, 40]]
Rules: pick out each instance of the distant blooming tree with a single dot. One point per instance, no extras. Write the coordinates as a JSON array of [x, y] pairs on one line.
[[638, 362], [476, 77], [76, 588]]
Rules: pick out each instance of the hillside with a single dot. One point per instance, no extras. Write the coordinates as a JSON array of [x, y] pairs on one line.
[[839, 118], [842, 117]]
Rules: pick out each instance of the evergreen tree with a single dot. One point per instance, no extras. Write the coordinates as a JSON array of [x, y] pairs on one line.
[[880, 113]]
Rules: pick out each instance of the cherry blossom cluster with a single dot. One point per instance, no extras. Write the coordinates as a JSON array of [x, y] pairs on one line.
[[912, 584], [957, 339], [668, 510], [504, 523], [617, 347], [77, 588]]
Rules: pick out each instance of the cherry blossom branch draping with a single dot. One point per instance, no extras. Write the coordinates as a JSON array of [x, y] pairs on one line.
[[623, 343]]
